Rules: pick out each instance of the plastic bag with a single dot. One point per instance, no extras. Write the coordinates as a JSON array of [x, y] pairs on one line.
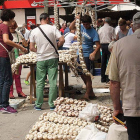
[[90, 132], [90, 113]]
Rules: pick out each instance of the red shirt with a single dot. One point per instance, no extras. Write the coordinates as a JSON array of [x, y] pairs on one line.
[[62, 30], [4, 29]]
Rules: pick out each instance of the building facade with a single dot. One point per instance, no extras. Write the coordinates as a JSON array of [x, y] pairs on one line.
[[28, 12]]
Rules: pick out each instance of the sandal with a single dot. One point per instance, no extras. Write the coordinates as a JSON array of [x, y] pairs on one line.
[[85, 99], [22, 95]]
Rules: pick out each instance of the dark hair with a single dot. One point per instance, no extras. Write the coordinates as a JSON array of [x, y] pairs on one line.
[[100, 20], [44, 16], [122, 22], [86, 19], [33, 26], [7, 14]]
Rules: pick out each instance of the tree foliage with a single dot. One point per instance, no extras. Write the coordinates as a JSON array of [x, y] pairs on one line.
[[2, 1]]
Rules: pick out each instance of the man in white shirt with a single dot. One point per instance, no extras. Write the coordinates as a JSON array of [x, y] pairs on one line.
[[106, 35], [47, 59], [26, 34]]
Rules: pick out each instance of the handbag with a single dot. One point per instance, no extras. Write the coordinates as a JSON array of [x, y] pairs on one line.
[[11, 54], [49, 40]]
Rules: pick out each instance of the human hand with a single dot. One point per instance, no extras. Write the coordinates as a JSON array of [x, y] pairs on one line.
[[24, 50], [92, 56], [116, 113]]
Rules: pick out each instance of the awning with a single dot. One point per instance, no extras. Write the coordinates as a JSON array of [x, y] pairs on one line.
[[125, 6]]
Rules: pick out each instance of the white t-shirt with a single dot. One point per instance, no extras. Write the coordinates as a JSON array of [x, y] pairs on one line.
[[45, 50], [17, 37], [69, 37], [26, 35]]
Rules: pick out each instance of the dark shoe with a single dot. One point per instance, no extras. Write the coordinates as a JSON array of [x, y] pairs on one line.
[[22, 95], [11, 96], [37, 108], [52, 108], [8, 109]]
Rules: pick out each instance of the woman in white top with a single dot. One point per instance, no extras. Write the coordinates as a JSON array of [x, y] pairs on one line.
[[19, 39], [69, 38]]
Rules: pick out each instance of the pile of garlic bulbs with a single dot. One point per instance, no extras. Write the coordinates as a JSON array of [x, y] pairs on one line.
[[105, 118], [56, 16], [24, 59], [68, 106], [93, 18], [52, 126]]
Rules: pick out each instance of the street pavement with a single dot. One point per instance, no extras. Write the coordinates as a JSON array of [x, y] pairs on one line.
[[16, 126]]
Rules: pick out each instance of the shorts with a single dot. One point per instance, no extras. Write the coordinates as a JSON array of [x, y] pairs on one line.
[[89, 64]]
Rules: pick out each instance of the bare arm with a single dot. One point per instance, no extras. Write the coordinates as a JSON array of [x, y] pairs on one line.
[[75, 38], [115, 95], [61, 41], [32, 47], [13, 44], [72, 25], [92, 55]]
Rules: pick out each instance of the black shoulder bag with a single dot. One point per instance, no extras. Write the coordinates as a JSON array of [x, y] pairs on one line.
[[48, 40]]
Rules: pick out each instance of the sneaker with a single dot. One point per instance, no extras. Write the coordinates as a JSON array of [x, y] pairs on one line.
[[37, 108], [26, 82], [8, 109], [52, 108]]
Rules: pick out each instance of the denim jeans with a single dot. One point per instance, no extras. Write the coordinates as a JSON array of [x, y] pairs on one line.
[[5, 81], [105, 59]]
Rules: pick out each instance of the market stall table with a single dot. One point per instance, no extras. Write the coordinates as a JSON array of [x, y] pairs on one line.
[[61, 81]]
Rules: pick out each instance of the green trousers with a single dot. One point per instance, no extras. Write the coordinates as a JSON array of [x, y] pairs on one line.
[[49, 67]]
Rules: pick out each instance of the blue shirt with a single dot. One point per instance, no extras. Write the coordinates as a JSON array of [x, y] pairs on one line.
[[130, 32], [89, 37], [66, 30]]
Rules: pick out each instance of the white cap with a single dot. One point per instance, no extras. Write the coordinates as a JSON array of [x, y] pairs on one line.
[[136, 18]]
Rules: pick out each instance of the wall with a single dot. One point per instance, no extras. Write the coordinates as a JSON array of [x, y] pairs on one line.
[[39, 11], [20, 16]]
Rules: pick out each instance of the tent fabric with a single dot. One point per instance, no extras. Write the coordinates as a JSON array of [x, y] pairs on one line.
[[125, 6]]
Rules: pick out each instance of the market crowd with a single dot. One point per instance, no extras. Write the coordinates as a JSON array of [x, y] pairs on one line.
[[120, 60]]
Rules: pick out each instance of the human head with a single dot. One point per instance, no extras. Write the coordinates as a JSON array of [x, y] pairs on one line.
[[7, 15], [24, 25], [107, 20], [33, 26], [22, 30], [86, 20], [64, 26], [13, 26], [73, 30], [99, 22], [122, 24], [44, 17], [136, 21], [128, 23]]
